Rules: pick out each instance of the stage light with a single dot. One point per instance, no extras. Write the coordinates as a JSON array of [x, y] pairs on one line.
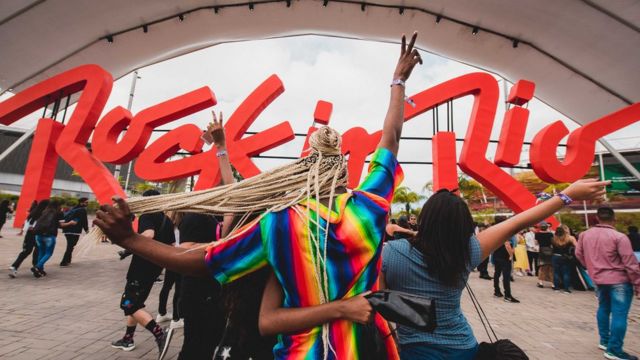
[[475, 31], [401, 10], [363, 6], [288, 3], [181, 17], [110, 39], [438, 19], [216, 9], [515, 43], [145, 29], [325, 3], [250, 6]]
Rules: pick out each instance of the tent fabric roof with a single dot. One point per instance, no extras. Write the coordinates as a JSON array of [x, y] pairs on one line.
[[584, 55]]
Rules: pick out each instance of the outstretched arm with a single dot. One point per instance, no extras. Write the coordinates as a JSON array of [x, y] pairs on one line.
[[215, 130], [116, 224], [392, 128], [495, 236], [274, 319]]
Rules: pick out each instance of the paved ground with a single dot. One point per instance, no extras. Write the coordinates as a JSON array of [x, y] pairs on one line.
[[73, 313]]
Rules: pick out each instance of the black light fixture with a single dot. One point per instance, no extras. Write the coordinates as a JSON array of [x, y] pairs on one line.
[[438, 19], [475, 31], [288, 3], [325, 3], [515, 43], [401, 10], [145, 28], [363, 6], [110, 39], [181, 17], [250, 6], [216, 9]]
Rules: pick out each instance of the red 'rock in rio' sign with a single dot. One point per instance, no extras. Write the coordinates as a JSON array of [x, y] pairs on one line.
[[52, 139]]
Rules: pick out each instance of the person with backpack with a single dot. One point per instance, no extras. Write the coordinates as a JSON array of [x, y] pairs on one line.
[[77, 219]]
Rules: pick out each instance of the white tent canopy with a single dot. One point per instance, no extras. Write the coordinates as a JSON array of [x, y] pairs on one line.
[[583, 55]]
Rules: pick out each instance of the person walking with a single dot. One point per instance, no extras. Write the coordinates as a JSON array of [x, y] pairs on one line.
[[46, 231], [140, 278], [5, 209], [483, 267], [562, 259], [544, 238], [29, 243], [634, 237], [609, 259], [77, 219], [532, 251], [502, 258]]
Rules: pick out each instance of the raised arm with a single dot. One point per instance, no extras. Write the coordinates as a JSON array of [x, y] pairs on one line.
[[216, 132], [495, 236], [116, 224], [274, 319], [392, 128]]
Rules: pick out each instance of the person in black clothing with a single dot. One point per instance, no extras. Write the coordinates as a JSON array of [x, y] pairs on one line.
[[29, 242], [5, 208], [140, 278], [544, 237], [502, 258], [77, 218], [634, 237], [204, 319], [482, 268]]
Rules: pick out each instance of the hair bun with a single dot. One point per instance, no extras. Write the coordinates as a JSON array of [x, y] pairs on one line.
[[326, 141]]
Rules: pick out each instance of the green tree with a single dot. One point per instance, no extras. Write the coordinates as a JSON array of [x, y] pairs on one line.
[[404, 195]]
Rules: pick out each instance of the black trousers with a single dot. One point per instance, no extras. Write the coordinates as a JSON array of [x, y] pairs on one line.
[[502, 267], [533, 261], [204, 320], [170, 279], [482, 268], [28, 245], [72, 240]]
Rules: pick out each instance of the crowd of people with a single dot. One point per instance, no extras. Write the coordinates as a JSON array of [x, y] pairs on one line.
[[40, 231], [284, 268]]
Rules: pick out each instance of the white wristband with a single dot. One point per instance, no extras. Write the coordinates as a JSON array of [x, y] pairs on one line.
[[398, 82]]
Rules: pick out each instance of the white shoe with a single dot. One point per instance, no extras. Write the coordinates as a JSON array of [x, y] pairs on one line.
[[163, 318], [602, 347], [13, 272], [176, 324]]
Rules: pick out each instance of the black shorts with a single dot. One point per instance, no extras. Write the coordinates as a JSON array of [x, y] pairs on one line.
[[134, 295]]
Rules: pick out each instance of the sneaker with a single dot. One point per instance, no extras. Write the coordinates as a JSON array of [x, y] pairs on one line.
[[511, 299], [42, 272], [539, 285], [163, 318], [65, 264], [124, 344], [163, 343], [497, 294], [621, 356], [176, 324], [36, 272], [566, 291], [602, 347], [13, 272], [486, 277]]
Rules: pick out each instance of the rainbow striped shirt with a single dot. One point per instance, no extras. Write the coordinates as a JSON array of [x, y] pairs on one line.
[[280, 239]]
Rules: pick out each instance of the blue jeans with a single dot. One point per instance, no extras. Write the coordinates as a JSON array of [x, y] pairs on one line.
[[615, 301], [418, 351], [561, 271], [46, 244]]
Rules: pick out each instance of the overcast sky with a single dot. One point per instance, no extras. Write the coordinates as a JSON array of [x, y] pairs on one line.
[[354, 75]]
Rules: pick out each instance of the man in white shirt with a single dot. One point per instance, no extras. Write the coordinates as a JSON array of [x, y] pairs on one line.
[[532, 251]]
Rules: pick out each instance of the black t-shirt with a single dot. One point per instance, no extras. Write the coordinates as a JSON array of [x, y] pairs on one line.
[[48, 223], [635, 241], [140, 268], [198, 228], [501, 253], [544, 239]]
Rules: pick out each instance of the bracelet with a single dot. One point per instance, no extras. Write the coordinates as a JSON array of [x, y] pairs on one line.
[[565, 198], [397, 82], [221, 153]]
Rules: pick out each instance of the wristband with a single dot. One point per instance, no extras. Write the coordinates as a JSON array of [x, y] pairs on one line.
[[221, 153], [397, 82], [565, 198]]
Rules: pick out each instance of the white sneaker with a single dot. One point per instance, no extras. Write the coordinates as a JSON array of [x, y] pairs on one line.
[[602, 347], [163, 318], [176, 324], [13, 272]]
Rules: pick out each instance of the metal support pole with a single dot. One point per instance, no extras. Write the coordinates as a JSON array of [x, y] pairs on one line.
[[586, 216], [129, 105], [17, 143], [601, 165]]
